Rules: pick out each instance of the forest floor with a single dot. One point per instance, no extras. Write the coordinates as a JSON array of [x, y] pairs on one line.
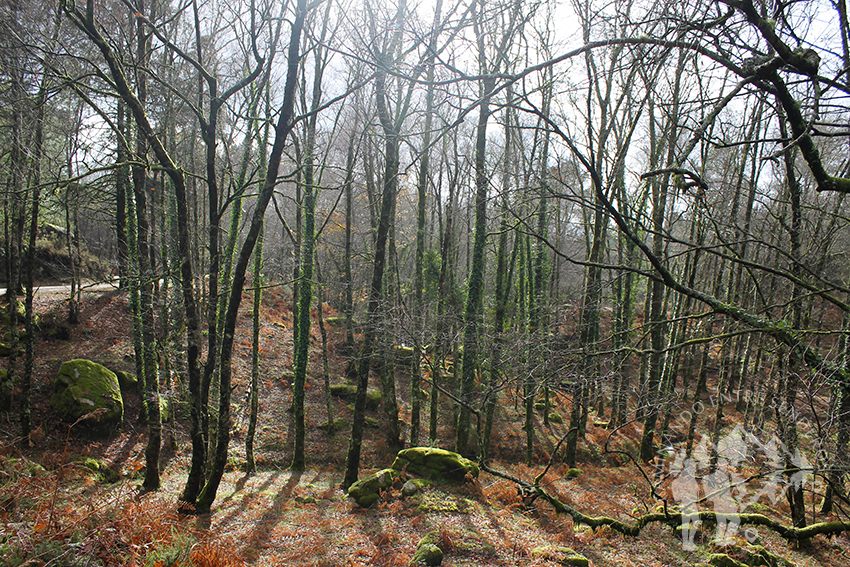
[[54, 510]]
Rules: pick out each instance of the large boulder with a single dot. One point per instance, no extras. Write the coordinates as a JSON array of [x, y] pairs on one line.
[[82, 387], [437, 464]]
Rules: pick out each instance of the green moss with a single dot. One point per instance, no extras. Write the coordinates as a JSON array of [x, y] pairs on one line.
[[20, 307], [174, 552], [441, 503], [723, 560], [348, 392], [403, 354], [83, 387], [373, 399], [558, 554], [344, 391], [103, 472], [339, 424], [555, 418], [434, 463], [366, 491], [747, 556], [573, 473], [427, 554], [475, 546], [13, 468], [128, 381]]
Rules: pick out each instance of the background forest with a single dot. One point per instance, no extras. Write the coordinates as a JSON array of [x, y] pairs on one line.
[[624, 216]]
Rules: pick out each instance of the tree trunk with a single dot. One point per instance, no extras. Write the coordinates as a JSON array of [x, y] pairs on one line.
[[352, 464], [282, 129]]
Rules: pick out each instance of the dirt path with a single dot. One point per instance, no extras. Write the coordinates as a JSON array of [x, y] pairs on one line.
[[86, 286]]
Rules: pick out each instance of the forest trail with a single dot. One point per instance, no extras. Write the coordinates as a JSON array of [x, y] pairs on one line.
[[66, 288]]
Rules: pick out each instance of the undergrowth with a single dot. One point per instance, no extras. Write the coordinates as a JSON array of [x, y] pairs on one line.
[[69, 516]]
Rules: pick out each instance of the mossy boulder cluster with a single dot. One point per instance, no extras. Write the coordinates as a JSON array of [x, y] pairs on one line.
[[427, 462], [436, 464], [83, 387]]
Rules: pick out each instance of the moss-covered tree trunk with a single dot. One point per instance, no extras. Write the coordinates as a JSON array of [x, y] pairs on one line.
[[418, 276], [473, 310], [283, 127], [352, 464], [254, 396]]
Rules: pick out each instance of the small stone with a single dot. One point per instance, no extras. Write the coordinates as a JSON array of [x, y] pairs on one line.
[[413, 486]]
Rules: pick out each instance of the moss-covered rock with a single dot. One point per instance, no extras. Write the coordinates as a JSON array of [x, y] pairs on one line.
[[438, 464], [555, 418], [403, 354], [427, 554], [460, 543], [348, 392], [5, 317], [5, 349], [338, 424], [128, 382], [366, 491], [82, 387], [558, 554], [101, 469], [335, 321], [373, 399]]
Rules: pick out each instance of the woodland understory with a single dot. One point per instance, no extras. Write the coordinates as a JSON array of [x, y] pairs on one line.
[[559, 239]]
